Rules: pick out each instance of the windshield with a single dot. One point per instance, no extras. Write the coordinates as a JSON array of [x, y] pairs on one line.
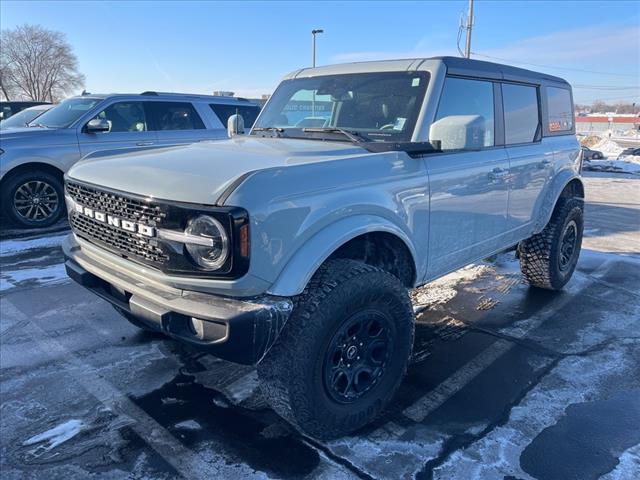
[[65, 114], [380, 107], [23, 118]]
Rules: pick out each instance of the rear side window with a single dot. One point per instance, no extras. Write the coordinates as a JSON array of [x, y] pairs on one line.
[[223, 112], [560, 109], [175, 116], [521, 114], [467, 103]]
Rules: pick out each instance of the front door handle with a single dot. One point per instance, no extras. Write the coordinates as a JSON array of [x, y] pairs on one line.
[[498, 174], [144, 144]]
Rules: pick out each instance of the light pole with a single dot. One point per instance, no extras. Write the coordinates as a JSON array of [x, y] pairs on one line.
[[313, 50], [467, 50]]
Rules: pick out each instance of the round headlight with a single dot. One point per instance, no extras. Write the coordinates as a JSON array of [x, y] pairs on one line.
[[209, 257]]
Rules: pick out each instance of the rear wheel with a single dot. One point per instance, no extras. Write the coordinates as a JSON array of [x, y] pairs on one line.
[[549, 258], [342, 354], [33, 199]]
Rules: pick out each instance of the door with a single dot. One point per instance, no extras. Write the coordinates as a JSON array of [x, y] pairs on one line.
[[178, 123], [531, 161], [469, 181], [129, 127]]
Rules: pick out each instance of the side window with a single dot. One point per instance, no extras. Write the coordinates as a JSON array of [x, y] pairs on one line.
[[521, 114], [125, 117], [223, 112], [465, 118], [175, 116], [560, 109]]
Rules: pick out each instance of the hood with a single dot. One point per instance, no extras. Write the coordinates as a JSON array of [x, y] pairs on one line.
[[201, 172], [23, 135]]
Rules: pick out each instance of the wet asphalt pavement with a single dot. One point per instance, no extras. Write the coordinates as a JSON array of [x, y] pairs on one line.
[[507, 382]]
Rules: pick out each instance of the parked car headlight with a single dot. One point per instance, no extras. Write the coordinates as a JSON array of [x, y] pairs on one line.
[[213, 256]]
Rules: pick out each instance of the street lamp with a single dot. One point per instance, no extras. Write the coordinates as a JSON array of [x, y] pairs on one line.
[[313, 34]]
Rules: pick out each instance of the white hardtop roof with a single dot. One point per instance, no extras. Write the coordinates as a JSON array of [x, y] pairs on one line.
[[454, 65]]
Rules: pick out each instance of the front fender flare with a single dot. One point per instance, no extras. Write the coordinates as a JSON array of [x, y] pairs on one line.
[[304, 263]]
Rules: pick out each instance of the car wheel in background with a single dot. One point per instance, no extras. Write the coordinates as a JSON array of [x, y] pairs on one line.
[[342, 353], [33, 199]]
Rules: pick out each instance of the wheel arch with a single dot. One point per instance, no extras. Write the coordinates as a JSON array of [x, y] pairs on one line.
[[32, 166], [371, 239], [566, 185]]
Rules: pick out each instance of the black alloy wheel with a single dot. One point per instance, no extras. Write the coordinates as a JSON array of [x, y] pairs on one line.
[[357, 356]]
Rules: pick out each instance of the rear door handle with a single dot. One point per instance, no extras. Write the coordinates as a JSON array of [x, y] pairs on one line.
[[144, 144]]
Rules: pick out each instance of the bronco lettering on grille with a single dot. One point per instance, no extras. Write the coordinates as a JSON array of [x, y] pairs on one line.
[[114, 221]]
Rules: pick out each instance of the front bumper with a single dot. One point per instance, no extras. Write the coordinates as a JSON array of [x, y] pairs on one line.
[[238, 330]]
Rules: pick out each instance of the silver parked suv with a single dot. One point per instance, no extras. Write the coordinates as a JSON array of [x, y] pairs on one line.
[[33, 160], [293, 248]]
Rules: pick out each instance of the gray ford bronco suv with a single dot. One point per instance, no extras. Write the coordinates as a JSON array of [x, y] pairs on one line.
[[293, 248]]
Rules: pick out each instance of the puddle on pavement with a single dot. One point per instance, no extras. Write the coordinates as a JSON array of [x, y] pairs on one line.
[[587, 441], [198, 417]]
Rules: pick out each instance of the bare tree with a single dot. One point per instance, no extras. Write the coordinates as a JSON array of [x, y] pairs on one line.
[[37, 64]]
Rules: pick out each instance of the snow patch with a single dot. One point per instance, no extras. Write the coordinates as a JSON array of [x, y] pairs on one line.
[[443, 290], [616, 166], [243, 388], [608, 147], [57, 435], [189, 425]]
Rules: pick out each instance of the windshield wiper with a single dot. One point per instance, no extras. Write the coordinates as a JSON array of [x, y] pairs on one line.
[[279, 131], [353, 136], [37, 125]]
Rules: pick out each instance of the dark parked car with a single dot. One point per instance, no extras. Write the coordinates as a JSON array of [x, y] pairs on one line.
[[629, 152], [11, 108], [589, 154], [25, 117]]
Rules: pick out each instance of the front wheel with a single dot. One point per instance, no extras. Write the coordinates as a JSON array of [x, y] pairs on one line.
[[33, 199], [343, 353], [549, 258]]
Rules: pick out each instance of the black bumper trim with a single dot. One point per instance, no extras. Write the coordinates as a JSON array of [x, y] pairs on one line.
[[240, 331]]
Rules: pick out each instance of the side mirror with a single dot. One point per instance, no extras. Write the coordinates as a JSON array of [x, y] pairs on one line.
[[235, 125], [459, 132], [97, 125]]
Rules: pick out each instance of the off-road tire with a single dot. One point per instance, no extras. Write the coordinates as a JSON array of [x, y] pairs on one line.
[[291, 374], [135, 321], [13, 183], [540, 255]]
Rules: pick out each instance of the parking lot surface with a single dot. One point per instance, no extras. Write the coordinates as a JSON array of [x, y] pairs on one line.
[[506, 382]]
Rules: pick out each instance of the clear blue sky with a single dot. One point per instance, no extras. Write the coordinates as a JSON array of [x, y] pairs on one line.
[[247, 47]]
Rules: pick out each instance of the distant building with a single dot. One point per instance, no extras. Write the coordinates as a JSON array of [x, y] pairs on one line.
[[222, 93], [606, 123]]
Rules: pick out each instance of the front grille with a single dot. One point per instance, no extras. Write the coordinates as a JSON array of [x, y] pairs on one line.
[[123, 207], [113, 238], [125, 243]]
